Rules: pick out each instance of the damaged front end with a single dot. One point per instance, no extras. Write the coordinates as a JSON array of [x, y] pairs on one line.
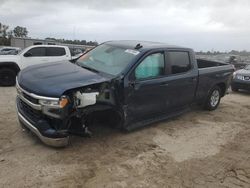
[[54, 119]]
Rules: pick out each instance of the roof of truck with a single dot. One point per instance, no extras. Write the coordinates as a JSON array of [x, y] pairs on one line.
[[48, 45], [146, 45]]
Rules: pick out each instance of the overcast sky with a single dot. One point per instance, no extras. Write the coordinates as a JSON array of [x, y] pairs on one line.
[[202, 25]]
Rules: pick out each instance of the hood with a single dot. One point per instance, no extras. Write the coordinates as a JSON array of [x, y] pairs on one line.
[[243, 72], [53, 79], [9, 58]]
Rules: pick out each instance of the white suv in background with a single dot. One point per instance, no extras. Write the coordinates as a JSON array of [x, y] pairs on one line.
[[10, 65]]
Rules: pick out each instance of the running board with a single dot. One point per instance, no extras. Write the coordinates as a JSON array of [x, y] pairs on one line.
[[155, 120]]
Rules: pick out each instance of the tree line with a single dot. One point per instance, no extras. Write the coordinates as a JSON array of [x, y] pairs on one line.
[[78, 42], [6, 34], [233, 52]]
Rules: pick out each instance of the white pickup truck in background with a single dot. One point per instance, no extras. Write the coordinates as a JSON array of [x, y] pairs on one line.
[[10, 65]]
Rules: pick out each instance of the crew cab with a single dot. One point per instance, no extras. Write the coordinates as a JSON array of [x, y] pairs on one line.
[[10, 65], [128, 84]]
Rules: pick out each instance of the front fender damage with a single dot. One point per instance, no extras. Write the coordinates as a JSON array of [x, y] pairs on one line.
[[93, 104]]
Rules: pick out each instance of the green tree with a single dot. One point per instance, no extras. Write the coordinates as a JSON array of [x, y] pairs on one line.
[[5, 35], [3, 30], [20, 31]]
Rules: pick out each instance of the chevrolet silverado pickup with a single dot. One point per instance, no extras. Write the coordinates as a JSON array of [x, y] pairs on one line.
[[10, 65], [129, 84]]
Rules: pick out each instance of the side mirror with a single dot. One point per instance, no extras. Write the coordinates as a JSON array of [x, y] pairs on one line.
[[132, 83], [27, 54]]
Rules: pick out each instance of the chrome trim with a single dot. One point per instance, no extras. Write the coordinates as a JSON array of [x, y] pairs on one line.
[[55, 142], [35, 106], [34, 95], [43, 108]]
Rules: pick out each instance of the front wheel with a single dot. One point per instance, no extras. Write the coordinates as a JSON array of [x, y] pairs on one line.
[[7, 77], [213, 99]]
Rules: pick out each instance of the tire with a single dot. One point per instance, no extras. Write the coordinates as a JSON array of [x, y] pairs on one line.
[[234, 89], [7, 77], [213, 99]]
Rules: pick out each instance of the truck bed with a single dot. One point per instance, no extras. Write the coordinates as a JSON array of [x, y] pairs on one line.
[[203, 63], [211, 73]]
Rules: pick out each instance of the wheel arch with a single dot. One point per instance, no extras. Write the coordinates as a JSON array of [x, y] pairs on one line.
[[10, 65], [223, 88]]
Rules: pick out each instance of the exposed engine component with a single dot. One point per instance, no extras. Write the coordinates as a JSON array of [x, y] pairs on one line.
[[85, 99]]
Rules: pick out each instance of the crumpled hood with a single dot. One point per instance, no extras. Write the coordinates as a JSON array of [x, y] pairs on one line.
[[53, 79], [243, 72]]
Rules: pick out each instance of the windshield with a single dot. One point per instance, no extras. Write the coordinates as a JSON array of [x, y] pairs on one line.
[[247, 67], [108, 59]]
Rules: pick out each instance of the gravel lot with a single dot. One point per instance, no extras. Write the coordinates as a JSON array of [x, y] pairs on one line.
[[197, 149]]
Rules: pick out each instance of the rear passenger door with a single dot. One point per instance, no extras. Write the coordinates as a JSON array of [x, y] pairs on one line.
[[54, 54], [182, 79]]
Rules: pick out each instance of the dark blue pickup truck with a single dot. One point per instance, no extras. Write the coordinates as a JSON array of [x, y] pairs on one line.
[[126, 83]]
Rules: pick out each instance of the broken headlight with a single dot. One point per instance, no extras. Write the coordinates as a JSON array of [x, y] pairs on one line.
[[54, 108], [61, 103]]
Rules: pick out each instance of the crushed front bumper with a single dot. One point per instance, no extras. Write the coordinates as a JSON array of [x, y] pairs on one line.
[[55, 142], [42, 126]]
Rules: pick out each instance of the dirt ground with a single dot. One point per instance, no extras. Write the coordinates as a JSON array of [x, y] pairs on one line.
[[197, 149]]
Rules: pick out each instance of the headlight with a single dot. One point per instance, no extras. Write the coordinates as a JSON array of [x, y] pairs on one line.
[[61, 103], [240, 77]]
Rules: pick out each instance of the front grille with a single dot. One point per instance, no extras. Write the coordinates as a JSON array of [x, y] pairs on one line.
[[30, 112], [29, 98]]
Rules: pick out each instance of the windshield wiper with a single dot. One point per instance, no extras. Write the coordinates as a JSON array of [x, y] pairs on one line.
[[89, 68]]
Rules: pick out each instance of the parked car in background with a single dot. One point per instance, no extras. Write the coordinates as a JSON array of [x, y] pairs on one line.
[[241, 79], [77, 52], [237, 62], [9, 50], [128, 83], [10, 65]]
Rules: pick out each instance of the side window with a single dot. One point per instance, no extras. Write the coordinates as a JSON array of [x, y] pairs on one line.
[[152, 66], [37, 52], [55, 51], [180, 62]]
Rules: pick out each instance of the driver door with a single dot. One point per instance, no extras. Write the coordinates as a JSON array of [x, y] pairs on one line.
[[146, 98]]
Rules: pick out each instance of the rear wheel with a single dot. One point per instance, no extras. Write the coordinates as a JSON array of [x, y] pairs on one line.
[[7, 77], [213, 99]]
